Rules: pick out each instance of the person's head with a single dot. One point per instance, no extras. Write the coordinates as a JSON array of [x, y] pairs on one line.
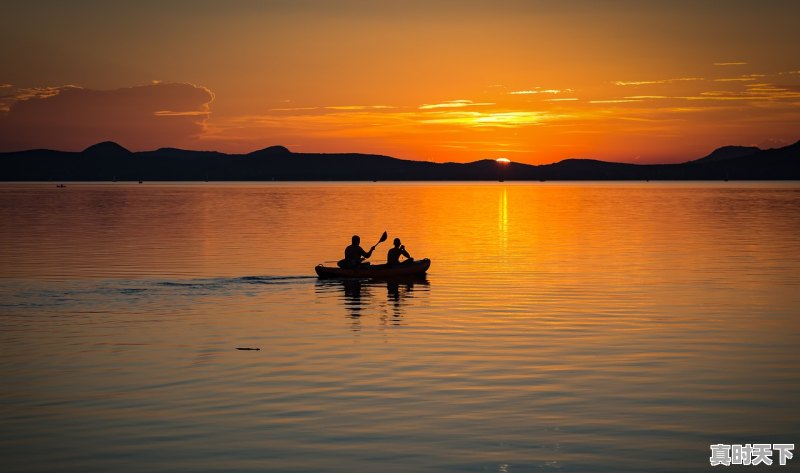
[[356, 240], [396, 242]]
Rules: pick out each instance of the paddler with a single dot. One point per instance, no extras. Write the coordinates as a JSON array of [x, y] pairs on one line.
[[353, 254], [393, 255]]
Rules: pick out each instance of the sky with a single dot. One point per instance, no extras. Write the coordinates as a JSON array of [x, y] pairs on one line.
[[642, 81]]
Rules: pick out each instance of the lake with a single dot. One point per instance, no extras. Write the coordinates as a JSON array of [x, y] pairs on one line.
[[562, 326]]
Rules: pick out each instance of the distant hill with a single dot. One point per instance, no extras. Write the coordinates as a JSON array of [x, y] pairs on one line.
[[106, 149], [728, 152], [109, 161]]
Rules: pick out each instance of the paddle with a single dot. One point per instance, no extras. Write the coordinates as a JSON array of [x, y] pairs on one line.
[[383, 238]]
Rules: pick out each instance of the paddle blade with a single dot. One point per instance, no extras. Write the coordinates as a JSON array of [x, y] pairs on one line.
[[383, 237]]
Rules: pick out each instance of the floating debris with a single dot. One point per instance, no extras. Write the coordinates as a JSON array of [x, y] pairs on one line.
[[247, 348]]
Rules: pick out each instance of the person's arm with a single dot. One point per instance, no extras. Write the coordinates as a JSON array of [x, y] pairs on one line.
[[367, 254], [404, 252]]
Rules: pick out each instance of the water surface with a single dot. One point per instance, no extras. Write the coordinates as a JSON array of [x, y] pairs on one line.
[[562, 326]]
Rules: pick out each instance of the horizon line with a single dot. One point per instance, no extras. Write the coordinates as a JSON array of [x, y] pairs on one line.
[[277, 147]]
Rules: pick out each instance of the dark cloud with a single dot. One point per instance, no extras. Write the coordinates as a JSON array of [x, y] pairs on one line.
[[72, 118]]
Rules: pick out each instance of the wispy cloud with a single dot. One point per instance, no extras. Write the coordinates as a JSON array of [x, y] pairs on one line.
[[747, 78], [491, 146], [41, 92], [640, 82], [293, 109], [762, 92], [538, 90], [659, 81], [333, 107], [359, 107], [741, 78], [721, 97], [773, 91], [615, 101], [731, 63], [191, 113], [453, 104], [497, 119], [562, 99]]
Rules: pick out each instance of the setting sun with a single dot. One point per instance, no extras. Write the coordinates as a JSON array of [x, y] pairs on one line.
[[503, 160]]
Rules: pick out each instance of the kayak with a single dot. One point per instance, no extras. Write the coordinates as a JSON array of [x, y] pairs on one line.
[[375, 271]]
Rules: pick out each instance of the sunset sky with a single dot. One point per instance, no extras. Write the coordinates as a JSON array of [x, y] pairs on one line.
[[533, 81]]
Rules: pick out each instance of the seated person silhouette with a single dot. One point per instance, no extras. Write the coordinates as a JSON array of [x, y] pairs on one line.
[[393, 256], [354, 253]]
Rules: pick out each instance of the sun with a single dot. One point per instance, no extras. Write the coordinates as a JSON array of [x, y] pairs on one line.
[[503, 160]]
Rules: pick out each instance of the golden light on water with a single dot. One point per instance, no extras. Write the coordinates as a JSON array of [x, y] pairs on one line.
[[502, 220]]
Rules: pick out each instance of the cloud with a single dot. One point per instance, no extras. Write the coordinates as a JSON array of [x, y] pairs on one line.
[[763, 92], [538, 90], [660, 81], [293, 109], [170, 113], [40, 92], [497, 119], [359, 107], [453, 104], [735, 79], [640, 82], [72, 118], [335, 108], [732, 63], [615, 101]]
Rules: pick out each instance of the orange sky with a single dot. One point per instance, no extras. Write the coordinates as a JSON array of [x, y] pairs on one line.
[[532, 81]]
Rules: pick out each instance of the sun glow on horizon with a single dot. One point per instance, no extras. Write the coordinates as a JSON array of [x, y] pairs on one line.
[[503, 160], [419, 89]]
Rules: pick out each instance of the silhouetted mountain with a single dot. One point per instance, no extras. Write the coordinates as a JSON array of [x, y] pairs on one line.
[[778, 163], [108, 161], [107, 149], [272, 151], [727, 152]]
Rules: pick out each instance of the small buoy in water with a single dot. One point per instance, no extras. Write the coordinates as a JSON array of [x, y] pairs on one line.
[[247, 348]]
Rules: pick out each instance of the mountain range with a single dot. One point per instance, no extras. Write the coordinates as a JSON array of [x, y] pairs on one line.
[[108, 161]]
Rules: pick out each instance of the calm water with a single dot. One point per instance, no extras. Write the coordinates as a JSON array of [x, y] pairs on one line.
[[564, 327]]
